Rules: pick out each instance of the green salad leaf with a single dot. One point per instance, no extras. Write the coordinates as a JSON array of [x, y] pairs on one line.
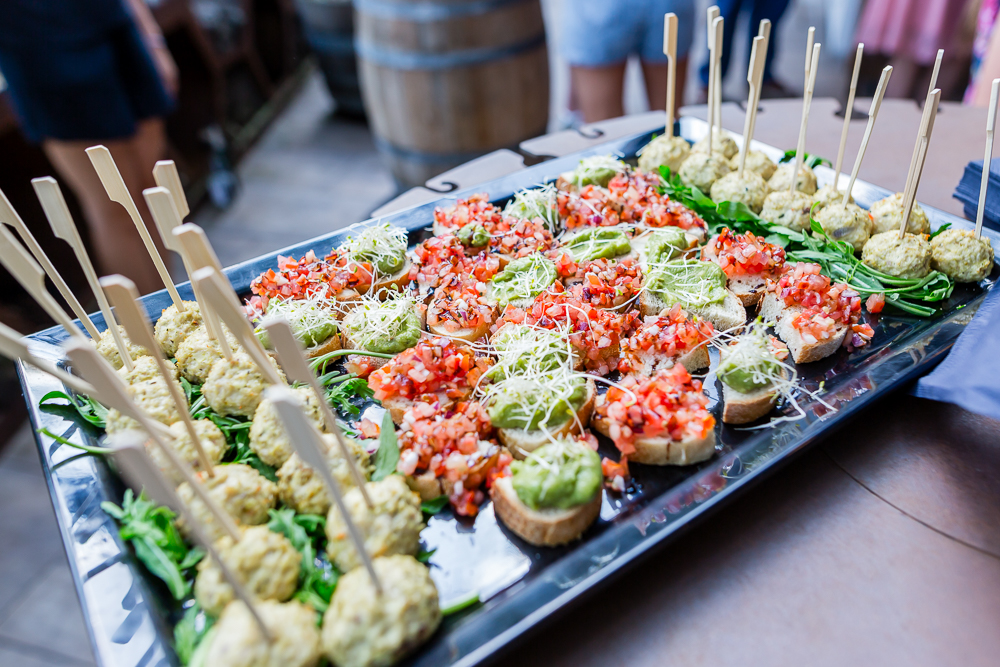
[[190, 631], [318, 576], [387, 455], [80, 408]]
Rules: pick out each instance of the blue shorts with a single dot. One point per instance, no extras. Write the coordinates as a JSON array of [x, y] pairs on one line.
[[607, 32]]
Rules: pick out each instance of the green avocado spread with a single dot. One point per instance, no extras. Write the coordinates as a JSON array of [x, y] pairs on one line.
[[388, 328], [596, 170], [664, 244], [311, 324], [473, 236], [382, 245], [559, 475], [689, 282], [598, 243], [523, 279], [749, 365], [529, 404]]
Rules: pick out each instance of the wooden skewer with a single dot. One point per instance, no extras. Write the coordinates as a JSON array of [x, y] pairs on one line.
[[31, 277], [132, 459], [307, 442], [848, 112], [670, 51], [910, 197], [297, 369], [218, 293], [718, 72], [915, 157], [114, 184], [763, 31], [58, 215], [755, 77], [201, 255], [166, 176], [807, 97], [991, 124], [810, 40], [14, 346], [95, 370], [712, 13], [872, 115], [9, 217], [125, 296]]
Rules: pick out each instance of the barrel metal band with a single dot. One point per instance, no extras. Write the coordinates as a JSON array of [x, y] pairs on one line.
[[411, 60], [427, 12]]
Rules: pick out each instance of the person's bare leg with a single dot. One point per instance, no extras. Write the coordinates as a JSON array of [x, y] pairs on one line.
[[599, 91], [655, 76], [117, 246]]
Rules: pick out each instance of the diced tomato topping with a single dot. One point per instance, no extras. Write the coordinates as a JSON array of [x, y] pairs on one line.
[[671, 335], [519, 238], [615, 473], [441, 257], [822, 305], [743, 254], [434, 365], [476, 208], [875, 303], [460, 304], [310, 276], [603, 283]]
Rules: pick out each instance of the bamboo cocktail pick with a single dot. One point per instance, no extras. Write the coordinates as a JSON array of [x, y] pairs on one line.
[[307, 442], [915, 157], [810, 41], [927, 128], [132, 459], [219, 295], [764, 30], [9, 217], [297, 370], [114, 184], [97, 372], [19, 263], [201, 255], [14, 346], [872, 115], [125, 296], [51, 197], [807, 97], [715, 110], [848, 112], [755, 77], [670, 51], [991, 124], [166, 176]]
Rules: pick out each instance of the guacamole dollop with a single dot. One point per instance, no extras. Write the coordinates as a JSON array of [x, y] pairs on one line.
[[473, 236], [749, 365], [384, 246], [520, 346], [689, 282], [523, 279], [598, 243], [387, 328], [665, 244], [596, 170], [559, 475], [530, 404], [311, 323]]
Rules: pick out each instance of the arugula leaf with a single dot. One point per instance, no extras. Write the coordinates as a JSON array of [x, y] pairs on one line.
[[425, 556], [339, 395], [318, 577], [83, 407], [247, 456], [190, 631], [63, 441], [811, 161], [434, 505], [387, 455], [940, 229]]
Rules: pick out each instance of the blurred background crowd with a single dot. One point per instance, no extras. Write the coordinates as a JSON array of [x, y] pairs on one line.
[[291, 118]]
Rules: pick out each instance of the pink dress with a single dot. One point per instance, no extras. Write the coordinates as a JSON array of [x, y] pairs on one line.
[[914, 29]]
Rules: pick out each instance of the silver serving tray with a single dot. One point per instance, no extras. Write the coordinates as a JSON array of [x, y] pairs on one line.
[[129, 614]]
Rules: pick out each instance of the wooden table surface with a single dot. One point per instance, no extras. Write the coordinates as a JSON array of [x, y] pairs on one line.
[[880, 547]]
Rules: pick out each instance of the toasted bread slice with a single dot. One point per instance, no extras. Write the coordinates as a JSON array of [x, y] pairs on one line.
[[662, 451], [743, 408], [772, 308], [749, 289], [468, 334], [397, 405], [802, 351], [543, 527], [331, 344], [385, 285], [724, 316], [426, 485], [652, 361], [521, 442]]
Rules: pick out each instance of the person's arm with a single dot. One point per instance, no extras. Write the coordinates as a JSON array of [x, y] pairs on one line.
[[156, 44]]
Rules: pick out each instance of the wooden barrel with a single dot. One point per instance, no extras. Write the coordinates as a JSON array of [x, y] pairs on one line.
[[445, 81]]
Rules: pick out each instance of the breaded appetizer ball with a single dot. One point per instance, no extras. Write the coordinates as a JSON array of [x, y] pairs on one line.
[[664, 151], [239, 489], [804, 182], [724, 144], [145, 369], [701, 170], [106, 346], [238, 642], [961, 256], [197, 353], [236, 387], [908, 257], [887, 215], [827, 195], [364, 629], [153, 398], [749, 189], [267, 433], [264, 561], [850, 224], [757, 162], [391, 526], [788, 209], [174, 326], [213, 441], [300, 488]]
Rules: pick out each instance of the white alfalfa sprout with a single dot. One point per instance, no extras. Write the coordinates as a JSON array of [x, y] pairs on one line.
[[535, 203], [373, 318], [378, 242]]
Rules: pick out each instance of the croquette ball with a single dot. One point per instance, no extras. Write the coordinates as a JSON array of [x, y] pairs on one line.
[[724, 144], [788, 209], [850, 224], [198, 353], [908, 257], [213, 441], [238, 642], [267, 433], [153, 398], [236, 387], [664, 151], [391, 526], [887, 214], [757, 162], [300, 488], [961, 256], [264, 561], [106, 346], [701, 170], [145, 369], [364, 629], [174, 326], [782, 179], [749, 189], [827, 195], [239, 489]]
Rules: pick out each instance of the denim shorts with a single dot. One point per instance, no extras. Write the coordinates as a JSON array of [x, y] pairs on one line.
[[606, 32]]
